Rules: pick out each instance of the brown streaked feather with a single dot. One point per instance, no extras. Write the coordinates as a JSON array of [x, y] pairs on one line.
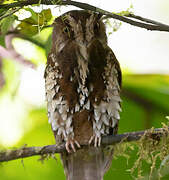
[[83, 81]]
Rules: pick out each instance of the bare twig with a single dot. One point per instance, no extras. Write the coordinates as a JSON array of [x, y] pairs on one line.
[[9, 155], [146, 23]]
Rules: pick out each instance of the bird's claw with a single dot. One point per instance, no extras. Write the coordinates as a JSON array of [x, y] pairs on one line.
[[71, 143], [96, 140]]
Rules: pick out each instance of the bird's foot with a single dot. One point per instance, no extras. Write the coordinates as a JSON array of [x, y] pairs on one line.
[[70, 144], [96, 140]]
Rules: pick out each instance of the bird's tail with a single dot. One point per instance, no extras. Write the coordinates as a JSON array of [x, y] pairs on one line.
[[88, 163]]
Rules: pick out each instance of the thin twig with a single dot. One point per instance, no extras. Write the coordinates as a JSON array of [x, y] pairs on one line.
[[156, 26], [10, 13], [146, 20], [24, 152]]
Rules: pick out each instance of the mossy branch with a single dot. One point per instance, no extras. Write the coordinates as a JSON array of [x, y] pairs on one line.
[[24, 152], [128, 18]]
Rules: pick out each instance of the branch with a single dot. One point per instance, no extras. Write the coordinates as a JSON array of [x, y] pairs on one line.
[[145, 20], [24, 152], [10, 13], [146, 23]]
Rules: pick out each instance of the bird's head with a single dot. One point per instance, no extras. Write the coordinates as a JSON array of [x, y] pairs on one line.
[[80, 26]]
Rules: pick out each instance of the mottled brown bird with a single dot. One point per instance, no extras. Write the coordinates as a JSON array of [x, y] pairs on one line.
[[83, 81]]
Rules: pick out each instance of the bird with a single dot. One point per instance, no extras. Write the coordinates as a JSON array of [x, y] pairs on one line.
[[83, 83]]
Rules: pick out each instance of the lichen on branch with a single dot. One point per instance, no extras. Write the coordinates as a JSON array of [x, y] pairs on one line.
[[152, 134]]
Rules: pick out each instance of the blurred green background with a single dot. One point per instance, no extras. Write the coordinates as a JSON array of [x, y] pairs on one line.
[[24, 45]]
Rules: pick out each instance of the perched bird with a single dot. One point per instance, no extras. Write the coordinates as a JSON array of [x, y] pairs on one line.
[[83, 81]]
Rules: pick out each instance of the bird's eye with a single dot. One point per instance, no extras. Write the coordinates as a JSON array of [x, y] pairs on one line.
[[66, 30]]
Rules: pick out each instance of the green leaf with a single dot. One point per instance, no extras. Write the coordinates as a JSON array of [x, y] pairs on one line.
[[27, 27], [7, 23], [32, 25], [2, 11], [41, 18], [46, 14]]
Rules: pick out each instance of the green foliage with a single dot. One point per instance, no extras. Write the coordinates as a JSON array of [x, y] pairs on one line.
[[34, 24], [152, 151], [45, 38], [153, 88], [151, 157], [2, 11], [113, 25], [7, 23]]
